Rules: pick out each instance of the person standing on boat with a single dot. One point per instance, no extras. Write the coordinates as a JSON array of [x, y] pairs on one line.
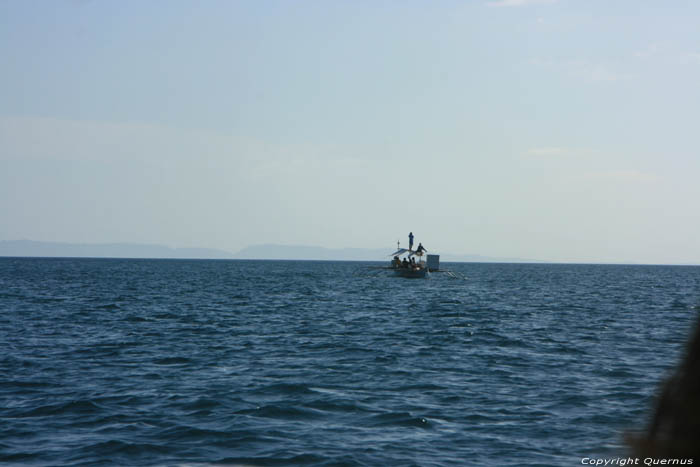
[[420, 248], [410, 240]]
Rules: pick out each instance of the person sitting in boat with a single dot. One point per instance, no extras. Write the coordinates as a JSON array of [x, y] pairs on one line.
[[396, 262], [404, 263], [420, 250]]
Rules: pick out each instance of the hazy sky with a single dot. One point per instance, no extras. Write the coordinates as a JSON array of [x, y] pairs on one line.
[[556, 130]]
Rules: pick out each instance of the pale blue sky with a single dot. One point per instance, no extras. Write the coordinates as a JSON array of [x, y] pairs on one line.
[[554, 130]]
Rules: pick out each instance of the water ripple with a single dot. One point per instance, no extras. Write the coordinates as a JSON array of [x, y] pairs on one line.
[[150, 362]]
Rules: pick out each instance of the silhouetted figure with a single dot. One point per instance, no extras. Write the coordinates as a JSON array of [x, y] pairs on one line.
[[410, 240], [420, 248], [674, 431], [404, 263]]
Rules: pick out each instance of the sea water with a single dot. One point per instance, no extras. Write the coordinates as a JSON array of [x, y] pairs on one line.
[[185, 362]]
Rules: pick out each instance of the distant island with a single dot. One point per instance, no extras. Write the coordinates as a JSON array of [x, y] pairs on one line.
[[273, 251], [106, 250], [267, 252]]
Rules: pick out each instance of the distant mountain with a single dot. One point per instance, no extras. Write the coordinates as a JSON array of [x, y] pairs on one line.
[[267, 251], [105, 250], [270, 251], [448, 257], [298, 252]]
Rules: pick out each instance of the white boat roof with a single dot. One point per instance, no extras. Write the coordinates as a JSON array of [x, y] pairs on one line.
[[402, 251]]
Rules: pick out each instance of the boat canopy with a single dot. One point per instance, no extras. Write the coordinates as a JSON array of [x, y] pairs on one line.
[[401, 251]]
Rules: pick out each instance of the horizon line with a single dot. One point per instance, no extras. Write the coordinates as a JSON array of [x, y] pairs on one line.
[[466, 258]]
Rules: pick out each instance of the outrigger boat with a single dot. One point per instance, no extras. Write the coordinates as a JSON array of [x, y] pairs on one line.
[[404, 262]]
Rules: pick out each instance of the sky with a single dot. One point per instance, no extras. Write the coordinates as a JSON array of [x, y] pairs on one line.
[[542, 129]]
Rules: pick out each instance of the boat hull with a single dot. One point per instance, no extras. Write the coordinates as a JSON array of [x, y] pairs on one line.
[[411, 273]]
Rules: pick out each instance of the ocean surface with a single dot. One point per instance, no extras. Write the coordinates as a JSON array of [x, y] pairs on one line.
[[186, 362]]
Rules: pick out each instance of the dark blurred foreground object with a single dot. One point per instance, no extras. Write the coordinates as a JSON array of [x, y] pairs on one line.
[[675, 429]]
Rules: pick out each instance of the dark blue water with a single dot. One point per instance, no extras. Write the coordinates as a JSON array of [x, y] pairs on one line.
[[166, 362]]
